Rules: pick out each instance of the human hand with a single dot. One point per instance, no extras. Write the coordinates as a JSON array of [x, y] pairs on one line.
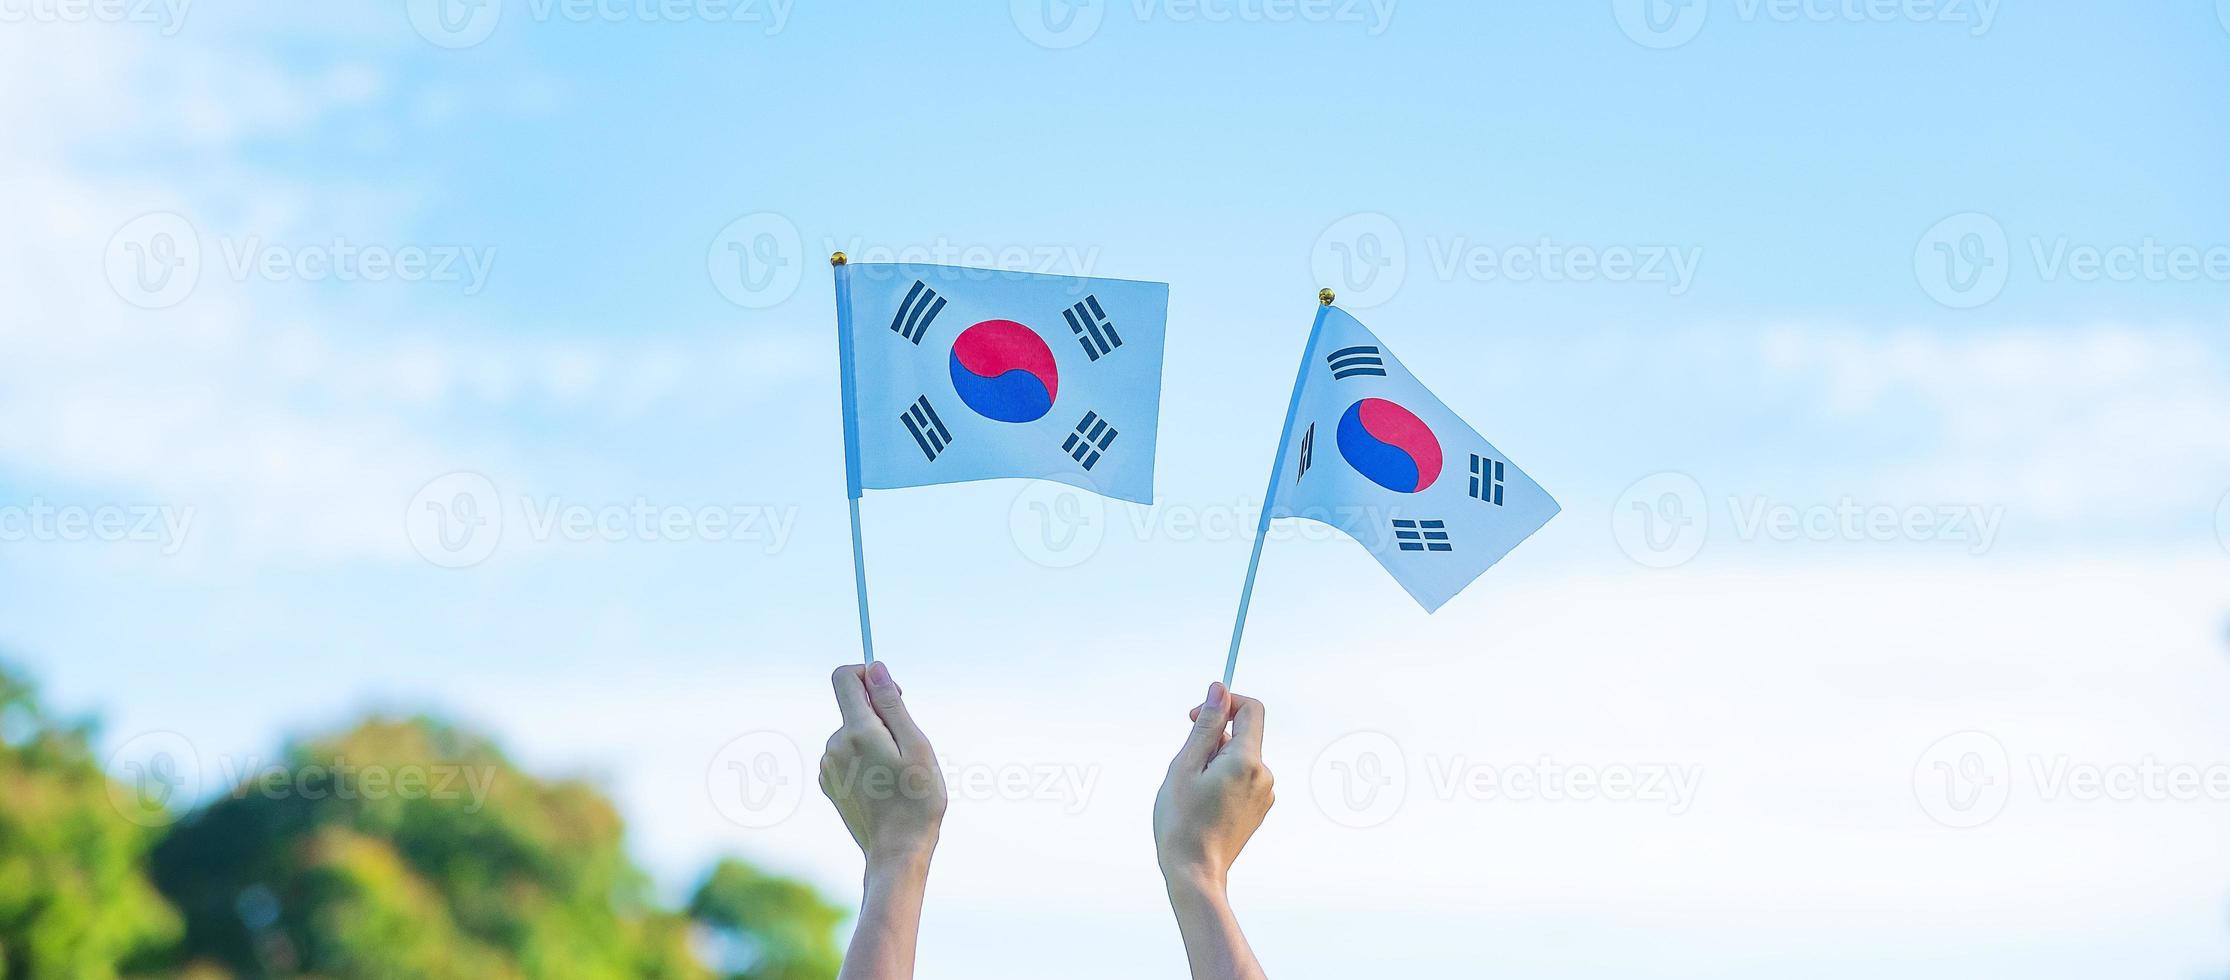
[[881, 773], [1216, 794]]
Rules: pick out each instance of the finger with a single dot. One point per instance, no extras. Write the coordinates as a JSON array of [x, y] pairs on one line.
[[1207, 729], [1246, 726], [1194, 715], [850, 682], [890, 705]]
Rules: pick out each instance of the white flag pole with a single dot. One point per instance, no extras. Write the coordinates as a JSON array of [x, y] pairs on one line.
[[847, 391], [1324, 299]]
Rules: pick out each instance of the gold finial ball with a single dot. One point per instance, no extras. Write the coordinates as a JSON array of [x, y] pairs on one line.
[[836, 259], [1324, 296]]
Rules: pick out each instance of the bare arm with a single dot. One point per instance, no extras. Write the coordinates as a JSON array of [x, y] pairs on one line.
[[1214, 798], [889, 921], [1214, 946], [882, 775]]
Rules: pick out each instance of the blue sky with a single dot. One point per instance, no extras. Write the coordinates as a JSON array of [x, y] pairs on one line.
[[2046, 456]]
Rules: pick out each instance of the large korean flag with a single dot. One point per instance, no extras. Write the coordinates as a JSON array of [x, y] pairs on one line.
[[954, 374]]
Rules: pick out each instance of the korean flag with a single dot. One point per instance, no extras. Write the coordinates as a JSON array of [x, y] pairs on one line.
[[1368, 449], [953, 374]]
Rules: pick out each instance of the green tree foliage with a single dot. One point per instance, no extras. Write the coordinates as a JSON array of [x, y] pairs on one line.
[[409, 848], [74, 901], [770, 927], [402, 848]]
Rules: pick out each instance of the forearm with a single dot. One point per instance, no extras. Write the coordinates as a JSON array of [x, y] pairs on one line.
[[889, 920], [1214, 946]]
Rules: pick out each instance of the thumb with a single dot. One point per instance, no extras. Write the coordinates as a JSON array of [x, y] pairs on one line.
[[1207, 729], [890, 705]]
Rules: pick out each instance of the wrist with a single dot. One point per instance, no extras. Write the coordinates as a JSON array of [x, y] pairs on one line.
[[900, 862], [1197, 880]]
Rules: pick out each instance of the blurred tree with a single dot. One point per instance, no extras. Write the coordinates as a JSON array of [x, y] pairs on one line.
[[767, 927], [73, 898], [409, 848]]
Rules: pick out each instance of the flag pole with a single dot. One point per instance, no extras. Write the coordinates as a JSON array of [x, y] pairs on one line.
[[847, 391], [1324, 299]]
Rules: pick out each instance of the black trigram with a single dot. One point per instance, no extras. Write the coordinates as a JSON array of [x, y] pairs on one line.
[[1094, 332], [1308, 444], [1422, 535], [921, 306], [1091, 438], [927, 429], [1348, 362], [1486, 479]]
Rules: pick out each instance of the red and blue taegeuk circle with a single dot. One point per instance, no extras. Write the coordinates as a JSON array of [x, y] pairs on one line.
[[1390, 445], [1004, 371]]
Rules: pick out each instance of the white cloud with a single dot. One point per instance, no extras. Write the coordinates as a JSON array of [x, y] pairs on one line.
[[297, 430], [2062, 425]]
